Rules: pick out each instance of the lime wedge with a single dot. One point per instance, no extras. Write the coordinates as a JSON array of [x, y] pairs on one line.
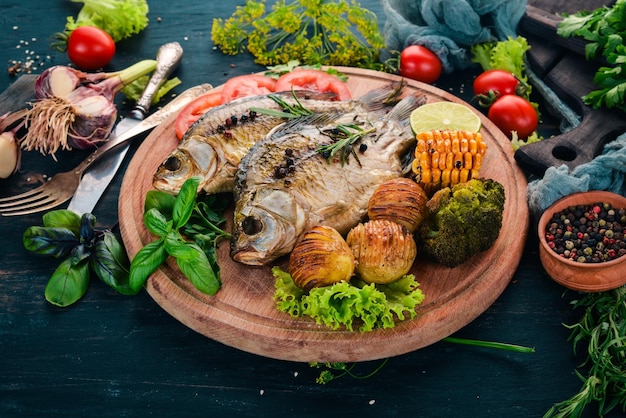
[[444, 115]]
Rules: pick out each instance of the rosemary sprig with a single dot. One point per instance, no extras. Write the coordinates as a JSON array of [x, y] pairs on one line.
[[288, 111], [344, 136]]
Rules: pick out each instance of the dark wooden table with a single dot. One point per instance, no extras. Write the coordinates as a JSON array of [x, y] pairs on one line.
[[113, 355]]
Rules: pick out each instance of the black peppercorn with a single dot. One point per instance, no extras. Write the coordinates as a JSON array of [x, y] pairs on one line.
[[588, 233]]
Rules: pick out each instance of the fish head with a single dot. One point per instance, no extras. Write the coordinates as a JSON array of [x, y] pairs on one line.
[[194, 158], [266, 227]]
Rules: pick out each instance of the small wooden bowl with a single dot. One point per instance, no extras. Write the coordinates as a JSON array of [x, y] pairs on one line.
[[585, 277]]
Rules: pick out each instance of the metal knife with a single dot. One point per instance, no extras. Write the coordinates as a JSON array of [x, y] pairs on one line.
[[98, 177]]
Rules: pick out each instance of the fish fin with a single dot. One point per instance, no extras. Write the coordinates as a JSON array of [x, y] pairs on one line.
[[403, 109], [382, 97], [295, 125]]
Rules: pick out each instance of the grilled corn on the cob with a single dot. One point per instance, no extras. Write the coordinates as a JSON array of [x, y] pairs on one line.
[[444, 158]]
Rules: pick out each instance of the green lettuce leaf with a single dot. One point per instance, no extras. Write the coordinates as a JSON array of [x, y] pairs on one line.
[[350, 304]]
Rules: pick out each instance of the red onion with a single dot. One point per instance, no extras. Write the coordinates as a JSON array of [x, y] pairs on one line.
[[61, 80], [75, 109]]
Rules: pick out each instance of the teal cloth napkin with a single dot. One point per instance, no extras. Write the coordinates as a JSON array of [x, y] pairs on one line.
[[605, 172], [449, 28]]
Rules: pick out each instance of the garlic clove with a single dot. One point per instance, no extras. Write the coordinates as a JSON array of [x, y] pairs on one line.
[[9, 154]]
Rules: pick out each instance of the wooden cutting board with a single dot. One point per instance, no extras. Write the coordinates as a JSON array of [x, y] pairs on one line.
[[561, 63], [242, 314]]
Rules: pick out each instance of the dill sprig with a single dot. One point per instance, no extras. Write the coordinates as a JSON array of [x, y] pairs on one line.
[[344, 136], [338, 32]]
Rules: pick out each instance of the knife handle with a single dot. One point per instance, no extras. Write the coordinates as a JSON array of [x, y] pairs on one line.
[[168, 57]]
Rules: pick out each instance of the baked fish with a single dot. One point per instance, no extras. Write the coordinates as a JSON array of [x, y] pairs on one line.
[[214, 145], [288, 182]]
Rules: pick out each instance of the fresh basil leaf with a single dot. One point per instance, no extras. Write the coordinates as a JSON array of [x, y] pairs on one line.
[[198, 270], [145, 262], [68, 283], [156, 222], [110, 266], [176, 246], [79, 253], [185, 201], [87, 225], [115, 247], [62, 218], [57, 242], [156, 199]]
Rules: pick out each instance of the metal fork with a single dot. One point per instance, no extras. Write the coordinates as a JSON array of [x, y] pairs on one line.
[[62, 186]]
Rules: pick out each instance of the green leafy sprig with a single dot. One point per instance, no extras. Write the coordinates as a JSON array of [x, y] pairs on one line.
[[84, 249], [604, 29], [288, 111], [327, 32], [334, 370], [172, 219], [344, 137], [603, 327]]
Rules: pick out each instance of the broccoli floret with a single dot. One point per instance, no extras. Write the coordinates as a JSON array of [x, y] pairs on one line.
[[463, 221]]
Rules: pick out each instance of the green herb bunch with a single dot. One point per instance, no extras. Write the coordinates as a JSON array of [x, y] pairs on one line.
[[605, 31], [84, 249], [344, 137], [186, 230], [310, 31], [603, 328], [332, 371]]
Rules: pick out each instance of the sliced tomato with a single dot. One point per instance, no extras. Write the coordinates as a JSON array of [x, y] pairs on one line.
[[315, 80], [194, 110], [247, 85]]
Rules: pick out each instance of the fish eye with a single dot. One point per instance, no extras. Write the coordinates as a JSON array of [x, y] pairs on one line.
[[172, 163], [251, 225]]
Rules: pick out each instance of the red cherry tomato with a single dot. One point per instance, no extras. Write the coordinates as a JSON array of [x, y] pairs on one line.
[[314, 80], [194, 110], [419, 63], [247, 85], [90, 48], [514, 113], [499, 82]]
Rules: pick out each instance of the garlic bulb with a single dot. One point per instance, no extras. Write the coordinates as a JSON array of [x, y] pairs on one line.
[[400, 200], [320, 258], [384, 250]]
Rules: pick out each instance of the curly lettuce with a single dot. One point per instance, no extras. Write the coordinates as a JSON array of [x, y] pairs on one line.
[[350, 304], [503, 55], [119, 18]]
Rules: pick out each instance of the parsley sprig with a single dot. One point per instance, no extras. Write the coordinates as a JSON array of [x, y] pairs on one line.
[[605, 30]]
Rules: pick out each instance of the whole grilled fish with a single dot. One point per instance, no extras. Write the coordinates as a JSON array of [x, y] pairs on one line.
[[288, 183], [214, 145]]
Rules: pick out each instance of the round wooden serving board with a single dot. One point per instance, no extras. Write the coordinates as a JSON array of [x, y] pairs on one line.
[[242, 314]]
